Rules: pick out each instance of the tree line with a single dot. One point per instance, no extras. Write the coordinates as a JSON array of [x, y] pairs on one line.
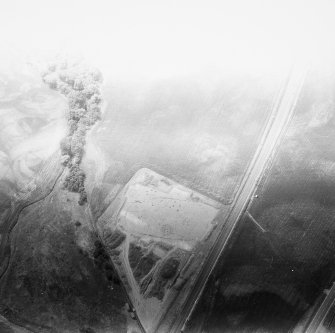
[[81, 86]]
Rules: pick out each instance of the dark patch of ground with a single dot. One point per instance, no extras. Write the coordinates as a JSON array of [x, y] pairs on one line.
[[169, 268], [114, 239], [164, 246], [103, 261], [145, 265], [54, 284], [158, 289], [250, 314], [166, 272], [135, 254]]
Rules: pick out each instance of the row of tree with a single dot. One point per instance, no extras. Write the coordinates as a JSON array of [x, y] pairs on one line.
[[81, 86]]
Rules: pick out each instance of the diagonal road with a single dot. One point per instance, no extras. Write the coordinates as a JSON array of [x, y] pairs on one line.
[[281, 114], [316, 324]]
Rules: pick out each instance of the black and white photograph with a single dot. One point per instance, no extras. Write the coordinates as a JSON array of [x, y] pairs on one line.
[[167, 166]]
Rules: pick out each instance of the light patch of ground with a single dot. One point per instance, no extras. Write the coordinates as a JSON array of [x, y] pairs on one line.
[[217, 155], [32, 123], [151, 230], [158, 207]]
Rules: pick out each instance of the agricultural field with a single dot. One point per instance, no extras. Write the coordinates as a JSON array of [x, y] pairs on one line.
[[276, 271]]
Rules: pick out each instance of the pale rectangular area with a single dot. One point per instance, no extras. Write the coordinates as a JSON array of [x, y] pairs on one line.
[[158, 207]]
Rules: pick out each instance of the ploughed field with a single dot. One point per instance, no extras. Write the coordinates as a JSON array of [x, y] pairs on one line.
[[272, 280]]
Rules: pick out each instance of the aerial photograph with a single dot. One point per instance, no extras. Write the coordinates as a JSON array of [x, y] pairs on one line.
[[167, 166]]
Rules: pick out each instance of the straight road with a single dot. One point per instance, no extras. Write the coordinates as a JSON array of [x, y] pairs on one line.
[[316, 324], [281, 114]]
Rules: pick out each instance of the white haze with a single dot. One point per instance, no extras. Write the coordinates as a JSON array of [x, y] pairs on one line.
[[154, 39]]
